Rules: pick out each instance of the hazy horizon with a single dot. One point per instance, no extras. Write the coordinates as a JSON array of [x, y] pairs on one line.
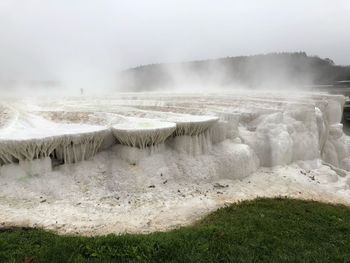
[[87, 42]]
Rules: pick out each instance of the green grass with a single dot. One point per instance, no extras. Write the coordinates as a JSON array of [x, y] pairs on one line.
[[263, 230]]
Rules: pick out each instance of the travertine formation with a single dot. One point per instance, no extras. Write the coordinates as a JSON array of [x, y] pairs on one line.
[[150, 162], [143, 133], [277, 128]]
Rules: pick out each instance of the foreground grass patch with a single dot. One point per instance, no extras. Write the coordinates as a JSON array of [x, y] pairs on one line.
[[270, 230]]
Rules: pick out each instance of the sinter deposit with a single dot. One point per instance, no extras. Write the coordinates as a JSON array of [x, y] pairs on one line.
[[144, 162]]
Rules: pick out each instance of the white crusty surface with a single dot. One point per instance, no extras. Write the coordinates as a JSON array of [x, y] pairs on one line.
[[142, 133], [148, 162]]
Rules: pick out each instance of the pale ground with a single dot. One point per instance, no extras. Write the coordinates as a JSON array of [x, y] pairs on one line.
[[126, 190], [96, 197]]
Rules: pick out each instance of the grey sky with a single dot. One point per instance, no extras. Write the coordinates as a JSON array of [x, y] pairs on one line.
[[96, 38]]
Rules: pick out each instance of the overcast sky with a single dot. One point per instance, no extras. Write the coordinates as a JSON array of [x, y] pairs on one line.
[[51, 39]]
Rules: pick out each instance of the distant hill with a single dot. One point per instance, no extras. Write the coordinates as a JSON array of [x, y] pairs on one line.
[[248, 71]]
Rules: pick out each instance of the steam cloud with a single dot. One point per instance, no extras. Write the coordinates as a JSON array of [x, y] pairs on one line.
[[61, 47]]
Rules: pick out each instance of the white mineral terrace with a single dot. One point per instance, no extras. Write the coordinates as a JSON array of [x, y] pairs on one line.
[[141, 162], [143, 133]]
